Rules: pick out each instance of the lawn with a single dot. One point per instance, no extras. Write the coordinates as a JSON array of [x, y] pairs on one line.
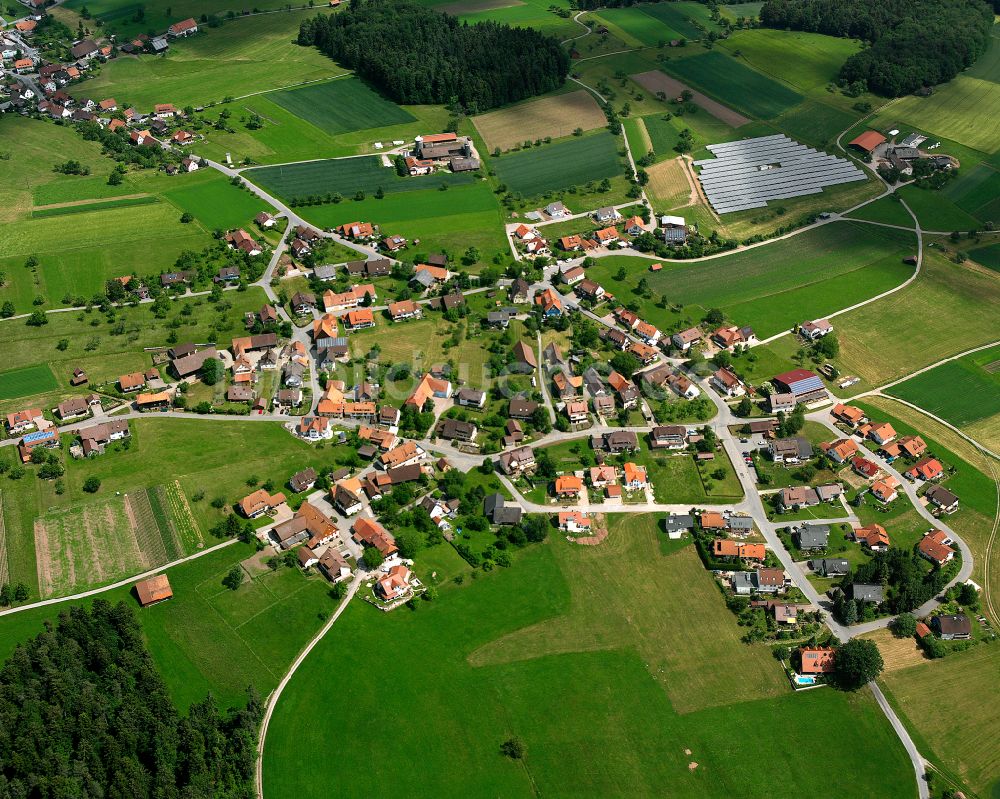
[[567, 163], [658, 671], [341, 106], [884, 341], [249, 54], [961, 742], [345, 176], [961, 392], [734, 84], [553, 117], [774, 287], [208, 638], [26, 381]]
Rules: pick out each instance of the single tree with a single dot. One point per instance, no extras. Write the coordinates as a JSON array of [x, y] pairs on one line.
[[857, 662], [234, 579]]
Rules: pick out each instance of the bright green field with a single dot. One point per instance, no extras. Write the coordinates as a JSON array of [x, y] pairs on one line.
[[571, 683], [935, 211], [250, 54], [346, 176], [103, 205], [561, 165], [341, 106], [957, 110], [26, 381], [977, 192], [731, 83], [119, 15], [888, 210], [215, 203], [960, 392], [528, 14], [775, 287], [650, 24]]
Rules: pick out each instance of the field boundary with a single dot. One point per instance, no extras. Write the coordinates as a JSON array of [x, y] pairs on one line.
[[4, 564]]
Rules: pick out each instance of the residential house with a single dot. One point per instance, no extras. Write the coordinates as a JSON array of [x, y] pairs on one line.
[[678, 524], [185, 27], [816, 329], [942, 498], [520, 408], [395, 584], [842, 450], [674, 229], [550, 302], [132, 382], [812, 536], [260, 502], [816, 660], [873, 536], [303, 481], [153, 590], [519, 291], [913, 446], [685, 338], [429, 388], [769, 581], [848, 414], [790, 450], [926, 469], [949, 627], [935, 547], [574, 521], [470, 398], [781, 402], [21, 421], [728, 338], [241, 240], [634, 476], [726, 548], [710, 520], [456, 430], [517, 461], [405, 309], [884, 489], [346, 496], [74, 408], [830, 567], [727, 383], [568, 486], [673, 436], [369, 533], [798, 497], [499, 512], [628, 393], [576, 411], [607, 214], [618, 441], [882, 433], [95, 438], [866, 592], [314, 428], [864, 467], [357, 231]]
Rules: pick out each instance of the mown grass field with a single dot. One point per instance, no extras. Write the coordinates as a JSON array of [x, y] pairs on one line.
[[650, 24], [26, 381], [208, 638], [977, 192], [988, 256], [527, 14], [630, 682], [119, 16], [775, 287], [554, 116], [888, 210], [341, 106], [891, 338], [734, 84], [248, 54], [957, 109], [345, 176], [215, 204], [463, 216], [936, 212], [961, 741], [567, 163]]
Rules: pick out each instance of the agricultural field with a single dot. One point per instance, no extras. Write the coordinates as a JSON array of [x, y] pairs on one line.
[[882, 342], [734, 84], [650, 25], [208, 639], [345, 176], [548, 664], [958, 109], [935, 211], [775, 287], [668, 186], [26, 381], [554, 117], [656, 82], [122, 18], [341, 106], [454, 220], [88, 545], [965, 392], [988, 256], [977, 192], [536, 14], [214, 203], [961, 742], [571, 162], [248, 54], [888, 210]]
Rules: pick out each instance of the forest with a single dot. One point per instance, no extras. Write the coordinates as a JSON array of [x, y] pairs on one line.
[[912, 44], [84, 713], [416, 55]]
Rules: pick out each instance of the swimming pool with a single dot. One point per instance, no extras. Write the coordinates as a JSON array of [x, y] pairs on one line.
[[805, 679]]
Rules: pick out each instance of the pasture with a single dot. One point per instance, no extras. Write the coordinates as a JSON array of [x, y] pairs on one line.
[[341, 106], [650, 24], [888, 210], [247, 54], [881, 342], [734, 84], [26, 381], [553, 117], [937, 212], [961, 742], [956, 110], [214, 203], [345, 176], [988, 256], [771, 288], [527, 14], [571, 162], [120, 16], [977, 192], [83, 207], [549, 664]]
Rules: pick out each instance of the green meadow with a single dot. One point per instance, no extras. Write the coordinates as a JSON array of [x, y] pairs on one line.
[[551, 167], [27, 380], [341, 106]]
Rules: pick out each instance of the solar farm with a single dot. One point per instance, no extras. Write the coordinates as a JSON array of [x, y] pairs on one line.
[[752, 172]]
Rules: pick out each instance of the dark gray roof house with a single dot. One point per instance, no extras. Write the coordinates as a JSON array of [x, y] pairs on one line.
[[813, 536], [829, 567], [866, 592], [680, 523], [499, 513]]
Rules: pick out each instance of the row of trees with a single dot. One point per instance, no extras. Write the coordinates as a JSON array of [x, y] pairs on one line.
[[85, 713], [912, 43], [420, 56]]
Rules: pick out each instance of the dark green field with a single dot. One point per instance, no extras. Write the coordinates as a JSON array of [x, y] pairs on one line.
[[26, 381], [988, 257], [568, 163], [960, 392], [103, 205], [734, 84], [977, 192], [341, 106], [345, 176]]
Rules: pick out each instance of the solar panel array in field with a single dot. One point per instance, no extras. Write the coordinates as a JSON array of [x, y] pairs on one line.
[[752, 172]]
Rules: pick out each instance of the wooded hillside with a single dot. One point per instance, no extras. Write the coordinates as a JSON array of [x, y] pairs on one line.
[[912, 43], [419, 56], [84, 713]]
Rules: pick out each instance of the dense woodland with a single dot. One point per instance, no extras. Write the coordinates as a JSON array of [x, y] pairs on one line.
[[419, 56], [912, 43], [85, 714]]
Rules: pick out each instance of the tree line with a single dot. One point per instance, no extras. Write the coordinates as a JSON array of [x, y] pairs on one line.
[[912, 44], [84, 713], [416, 55]]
